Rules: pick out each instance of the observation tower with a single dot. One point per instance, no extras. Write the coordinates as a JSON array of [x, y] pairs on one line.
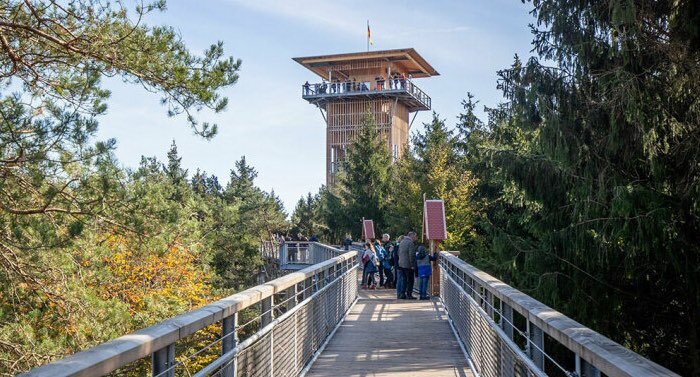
[[382, 83]]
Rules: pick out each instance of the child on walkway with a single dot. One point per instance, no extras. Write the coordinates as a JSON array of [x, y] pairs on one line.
[[371, 262], [424, 271]]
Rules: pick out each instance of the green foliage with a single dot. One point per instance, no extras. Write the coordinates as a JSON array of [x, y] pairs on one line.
[[89, 250], [60, 51], [364, 182], [434, 167], [304, 218]]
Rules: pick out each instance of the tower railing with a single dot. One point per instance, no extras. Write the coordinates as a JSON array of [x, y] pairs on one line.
[[351, 88], [504, 331], [272, 329]]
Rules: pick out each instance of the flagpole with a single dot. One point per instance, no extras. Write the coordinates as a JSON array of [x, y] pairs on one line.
[[367, 35]]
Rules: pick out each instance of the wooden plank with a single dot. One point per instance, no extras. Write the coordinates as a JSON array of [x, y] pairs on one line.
[[383, 336]]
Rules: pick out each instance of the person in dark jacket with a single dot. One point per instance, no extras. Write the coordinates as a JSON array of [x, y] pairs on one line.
[[407, 265], [347, 242]]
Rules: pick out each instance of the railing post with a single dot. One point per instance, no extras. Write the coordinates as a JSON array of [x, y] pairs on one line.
[[230, 340], [585, 369], [163, 361], [266, 312], [283, 254], [537, 346], [507, 321]]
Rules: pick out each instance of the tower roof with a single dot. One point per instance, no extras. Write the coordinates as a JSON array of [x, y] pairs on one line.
[[405, 60]]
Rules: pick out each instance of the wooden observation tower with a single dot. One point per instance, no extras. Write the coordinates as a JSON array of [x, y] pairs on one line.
[[379, 82]]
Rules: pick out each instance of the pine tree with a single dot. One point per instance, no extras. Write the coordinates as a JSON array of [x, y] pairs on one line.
[[304, 219]]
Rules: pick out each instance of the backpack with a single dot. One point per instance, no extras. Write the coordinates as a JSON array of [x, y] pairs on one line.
[[365, 259]]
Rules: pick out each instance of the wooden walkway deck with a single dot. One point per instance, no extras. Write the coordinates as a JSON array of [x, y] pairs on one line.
[[383, 336]]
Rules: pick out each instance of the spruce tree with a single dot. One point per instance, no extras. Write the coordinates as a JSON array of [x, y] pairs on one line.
[[364, 181], [592, 165]]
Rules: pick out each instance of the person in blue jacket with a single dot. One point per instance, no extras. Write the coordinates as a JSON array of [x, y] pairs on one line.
[[385, 275], [424, 271]]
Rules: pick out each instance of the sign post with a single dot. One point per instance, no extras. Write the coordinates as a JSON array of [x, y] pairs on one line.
[[435, 231]]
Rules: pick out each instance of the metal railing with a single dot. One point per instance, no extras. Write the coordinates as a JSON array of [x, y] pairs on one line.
[[269, 249], [503, 331], [399, 85], [292, 317], [305, 252]]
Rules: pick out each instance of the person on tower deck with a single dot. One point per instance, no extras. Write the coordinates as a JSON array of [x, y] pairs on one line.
[[339, 85], [424, 270], [403, 81], [407, 265], [306, 88], [380, 82], [313, 238], [354, 84], [396, 80], [333, 87]]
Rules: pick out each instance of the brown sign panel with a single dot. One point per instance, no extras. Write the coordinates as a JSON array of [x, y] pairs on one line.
[[434, 224], [368, 229]]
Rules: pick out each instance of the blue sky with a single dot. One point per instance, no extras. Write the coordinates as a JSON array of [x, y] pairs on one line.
[[281, 135]]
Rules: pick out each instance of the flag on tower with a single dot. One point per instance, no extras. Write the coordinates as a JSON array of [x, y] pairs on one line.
[[369, 35]]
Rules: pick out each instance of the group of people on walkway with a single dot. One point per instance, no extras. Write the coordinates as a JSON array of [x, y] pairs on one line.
[[398, 265], [396, 81]]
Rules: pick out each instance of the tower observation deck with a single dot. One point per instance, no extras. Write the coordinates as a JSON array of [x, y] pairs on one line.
[[379, 82]]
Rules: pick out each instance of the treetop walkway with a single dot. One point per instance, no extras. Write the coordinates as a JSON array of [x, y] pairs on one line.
[[316, 322]]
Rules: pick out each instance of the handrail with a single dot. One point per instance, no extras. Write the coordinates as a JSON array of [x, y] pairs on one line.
[[590, 346], [109, 356], [398, 85]]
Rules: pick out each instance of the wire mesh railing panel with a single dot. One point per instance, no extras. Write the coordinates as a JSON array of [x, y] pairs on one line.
[[255, 360], [491, 354], [283, 348], [298, 334], [305, 349]]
